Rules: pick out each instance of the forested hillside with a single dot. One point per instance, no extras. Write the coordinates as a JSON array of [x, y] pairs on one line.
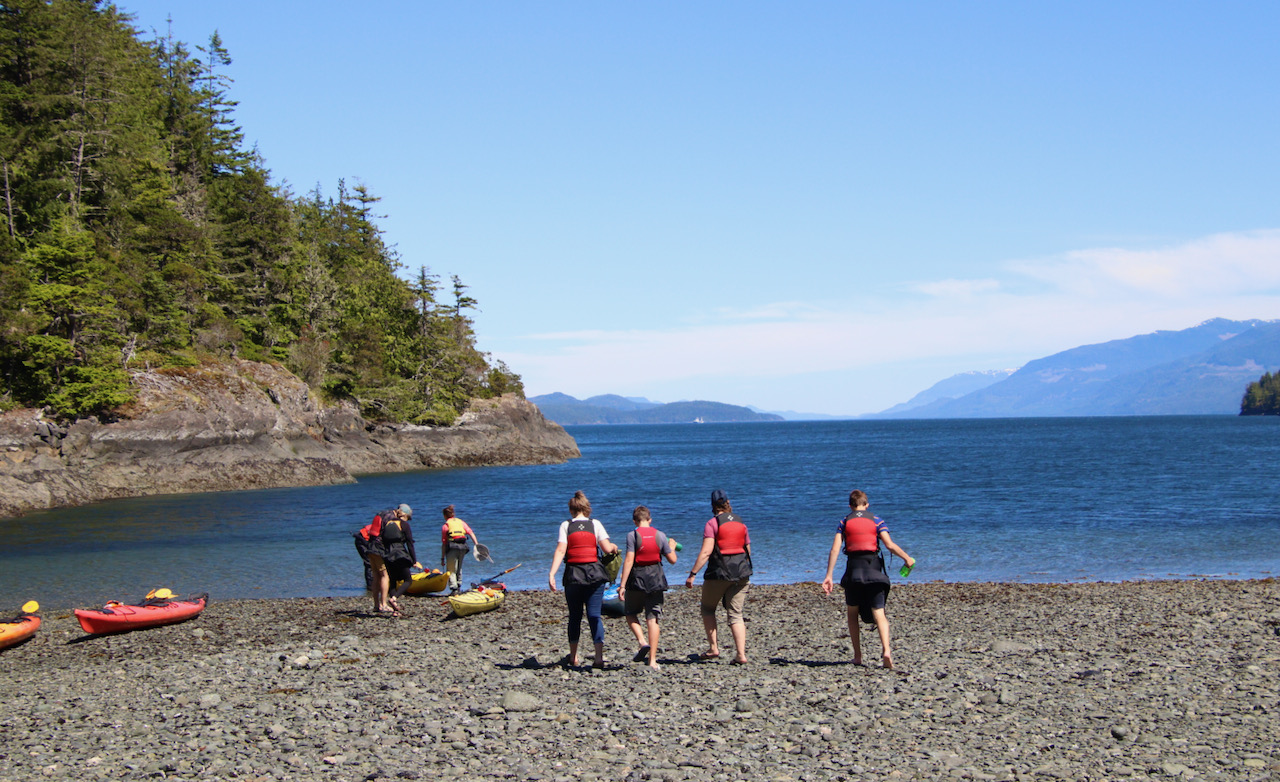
[[138, 231], [1262, 397]]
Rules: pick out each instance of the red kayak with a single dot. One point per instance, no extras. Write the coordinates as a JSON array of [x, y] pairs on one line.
[[118, 618]]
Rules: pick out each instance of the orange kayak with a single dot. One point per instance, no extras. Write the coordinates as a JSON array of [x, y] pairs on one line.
[[18, 630], [118, 618]]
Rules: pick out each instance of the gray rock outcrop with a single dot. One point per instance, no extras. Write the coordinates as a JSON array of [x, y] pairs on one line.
[[246, 425]]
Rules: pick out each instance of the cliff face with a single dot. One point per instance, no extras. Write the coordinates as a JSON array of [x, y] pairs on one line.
[[246, 425]]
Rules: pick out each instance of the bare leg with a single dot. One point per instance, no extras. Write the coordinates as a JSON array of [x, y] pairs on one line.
[[855, 635], [713, 644], [882, 626], [384, 586], [633, 622], [653, 642], [739, 632], [573, 655], [599, 661]]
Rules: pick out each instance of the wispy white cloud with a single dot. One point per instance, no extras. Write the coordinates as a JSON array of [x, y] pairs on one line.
[[1222, 264], [950, 289], [1039, 307]]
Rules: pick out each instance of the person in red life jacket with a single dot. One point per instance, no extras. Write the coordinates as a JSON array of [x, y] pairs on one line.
[[399, 555], [865, 581], [644, 582], [582, 538], [726, 551], [453, 546]]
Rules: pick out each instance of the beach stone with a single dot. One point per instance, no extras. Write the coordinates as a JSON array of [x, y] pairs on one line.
[[517, 701], [1180, 701], [1005, 646]]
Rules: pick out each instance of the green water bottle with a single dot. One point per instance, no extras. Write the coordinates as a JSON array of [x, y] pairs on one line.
[[905, 570]]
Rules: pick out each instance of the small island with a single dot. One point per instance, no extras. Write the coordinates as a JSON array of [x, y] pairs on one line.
[[1262, 397]]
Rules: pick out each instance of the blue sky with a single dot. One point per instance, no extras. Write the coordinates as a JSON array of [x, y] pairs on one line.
[[815, 206]]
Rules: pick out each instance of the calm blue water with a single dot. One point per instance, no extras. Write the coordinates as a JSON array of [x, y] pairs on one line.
[[1063, 499]]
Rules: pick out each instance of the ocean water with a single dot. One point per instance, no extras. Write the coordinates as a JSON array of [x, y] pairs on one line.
[[1043, 500]]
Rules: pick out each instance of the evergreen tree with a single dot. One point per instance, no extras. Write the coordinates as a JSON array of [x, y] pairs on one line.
[[1262, 397], [138, 231]]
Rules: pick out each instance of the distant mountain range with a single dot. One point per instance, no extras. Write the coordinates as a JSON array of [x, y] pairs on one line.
[[613, 409], [1200, 370]]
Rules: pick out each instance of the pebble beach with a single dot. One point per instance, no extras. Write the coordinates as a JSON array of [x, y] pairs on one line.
[[1099, 681]]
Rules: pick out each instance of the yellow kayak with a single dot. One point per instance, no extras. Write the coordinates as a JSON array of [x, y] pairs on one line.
[[427, 582], [476, 601]]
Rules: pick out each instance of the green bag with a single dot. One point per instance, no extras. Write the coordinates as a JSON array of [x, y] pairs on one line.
[[612, 564]]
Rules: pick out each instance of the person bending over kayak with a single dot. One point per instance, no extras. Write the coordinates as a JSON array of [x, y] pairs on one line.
[[644, 582], [453, 547], [369, 544], [865, 581], [398, 553], [582, 538], [726, 551]]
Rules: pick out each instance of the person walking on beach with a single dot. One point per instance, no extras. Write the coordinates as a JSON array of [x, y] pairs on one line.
[[644, 582], [726, 551], [453, 547], [865, 581], [581, 541]]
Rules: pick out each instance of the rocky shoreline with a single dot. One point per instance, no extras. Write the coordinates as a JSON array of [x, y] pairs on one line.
[[1140, 680], [246, 425]]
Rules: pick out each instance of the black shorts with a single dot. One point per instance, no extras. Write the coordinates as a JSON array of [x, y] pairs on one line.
[[865, 596], [400, 570]]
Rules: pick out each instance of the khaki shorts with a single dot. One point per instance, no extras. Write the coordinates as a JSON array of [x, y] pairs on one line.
[[376, 564], [731, 594]]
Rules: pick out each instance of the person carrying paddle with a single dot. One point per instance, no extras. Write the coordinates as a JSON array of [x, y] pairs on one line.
[[865, 581], [726, 551], [453, 546], [582, 538], [644, 582]]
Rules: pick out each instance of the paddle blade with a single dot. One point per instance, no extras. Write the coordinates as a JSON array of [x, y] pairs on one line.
[[163, 593], [30, 607]]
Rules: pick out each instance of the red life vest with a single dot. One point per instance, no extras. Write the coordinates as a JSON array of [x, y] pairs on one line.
[[648, 552], [860, 532], [582, 543], [731, 534]]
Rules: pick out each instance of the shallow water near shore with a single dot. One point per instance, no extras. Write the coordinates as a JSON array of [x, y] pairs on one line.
[[1032, 500]]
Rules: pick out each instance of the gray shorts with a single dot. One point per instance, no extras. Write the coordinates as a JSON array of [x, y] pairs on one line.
[[649, 602]]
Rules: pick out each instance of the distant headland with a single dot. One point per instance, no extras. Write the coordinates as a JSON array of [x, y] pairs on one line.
[[613, 409]]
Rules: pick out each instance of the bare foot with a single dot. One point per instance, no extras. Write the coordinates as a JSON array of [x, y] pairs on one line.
[[655, 666], [857, 661], [711, 655], [888, 661]]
